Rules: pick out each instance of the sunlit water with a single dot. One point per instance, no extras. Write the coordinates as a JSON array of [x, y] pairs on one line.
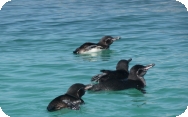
[[36, 61]]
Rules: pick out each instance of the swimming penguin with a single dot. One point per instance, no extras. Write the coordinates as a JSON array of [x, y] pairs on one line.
[[135, 80], [104, 43], [71, 99], [121, 72]]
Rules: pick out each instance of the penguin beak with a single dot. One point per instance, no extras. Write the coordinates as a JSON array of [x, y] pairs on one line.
[[116, 38], [129, 60], [148, 66], [142, 71], [88, 86]]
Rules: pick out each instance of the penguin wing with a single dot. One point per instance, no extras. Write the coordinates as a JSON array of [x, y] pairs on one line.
[[87, 44], [99, 77], [84, 46], [117, 74], [74, 105], [104, 76], [56, 104], [93, 46]]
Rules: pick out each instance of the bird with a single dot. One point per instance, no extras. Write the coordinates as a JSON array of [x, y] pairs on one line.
[[121, 72], [135, 80], [103, 44], [71, 99]]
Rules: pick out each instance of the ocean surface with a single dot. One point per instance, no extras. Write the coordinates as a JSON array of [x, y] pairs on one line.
[[37, 64]]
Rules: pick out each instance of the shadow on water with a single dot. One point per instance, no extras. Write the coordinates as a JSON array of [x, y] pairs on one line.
[[104, 55]]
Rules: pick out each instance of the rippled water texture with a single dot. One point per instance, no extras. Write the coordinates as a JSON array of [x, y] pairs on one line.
[[36, 61]]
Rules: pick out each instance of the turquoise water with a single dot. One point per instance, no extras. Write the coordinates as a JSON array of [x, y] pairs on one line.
[[36, 61]]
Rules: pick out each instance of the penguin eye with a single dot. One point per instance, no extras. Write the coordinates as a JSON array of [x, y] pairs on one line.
[[141, 72], [80, 92], [108, 41]]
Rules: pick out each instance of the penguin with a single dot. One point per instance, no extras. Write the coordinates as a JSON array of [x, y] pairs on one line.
[[71, 99], [135, 80], [103, 44], [121, 72]]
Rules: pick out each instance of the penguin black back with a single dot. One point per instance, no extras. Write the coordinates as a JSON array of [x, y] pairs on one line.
[[121, 72]]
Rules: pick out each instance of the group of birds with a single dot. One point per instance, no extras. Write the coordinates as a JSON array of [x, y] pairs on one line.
[[107, 80]]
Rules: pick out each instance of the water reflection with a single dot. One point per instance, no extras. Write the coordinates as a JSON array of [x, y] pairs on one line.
[[104, 55], [60, 112], [139, 103]]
